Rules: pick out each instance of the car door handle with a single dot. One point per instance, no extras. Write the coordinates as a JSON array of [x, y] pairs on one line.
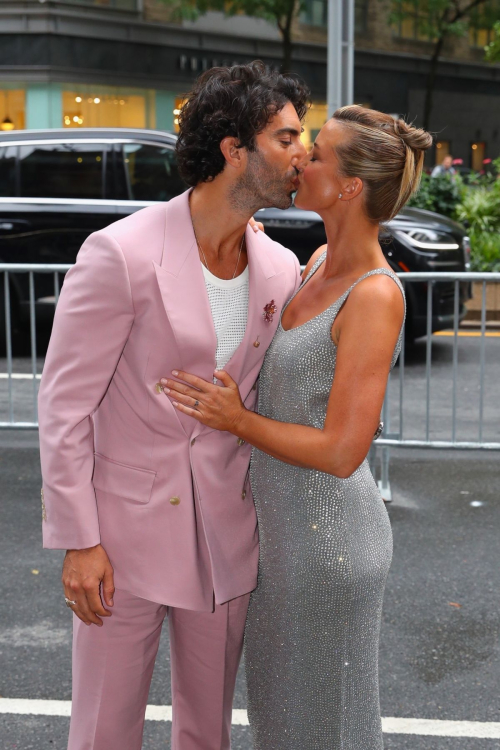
[[7, 226]]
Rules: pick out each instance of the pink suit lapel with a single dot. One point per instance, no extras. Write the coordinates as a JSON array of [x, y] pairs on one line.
[[182, 287]]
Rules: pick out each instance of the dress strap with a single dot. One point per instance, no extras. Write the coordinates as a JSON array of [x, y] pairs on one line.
[[377, 271], [314, 267]]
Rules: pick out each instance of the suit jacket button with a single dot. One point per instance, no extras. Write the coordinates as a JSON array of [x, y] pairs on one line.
[[174, 500], [241, 442], [254, 386], [193, 441], [243, 494], [158, 388]]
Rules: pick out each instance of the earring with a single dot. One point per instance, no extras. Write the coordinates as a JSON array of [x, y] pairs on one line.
[[340, 195]]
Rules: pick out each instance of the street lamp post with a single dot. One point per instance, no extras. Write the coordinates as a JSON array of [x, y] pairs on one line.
[[340, 79]]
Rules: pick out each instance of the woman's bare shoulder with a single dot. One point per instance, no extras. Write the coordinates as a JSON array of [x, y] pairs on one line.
[[312, 260]]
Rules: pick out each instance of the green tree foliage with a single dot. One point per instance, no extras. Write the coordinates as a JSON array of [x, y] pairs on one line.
[[475, 204], [492, 50], [440, 194], [281, 12], [438, 21]]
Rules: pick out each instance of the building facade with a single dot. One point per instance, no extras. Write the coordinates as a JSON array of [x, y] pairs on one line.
[[109, 63]]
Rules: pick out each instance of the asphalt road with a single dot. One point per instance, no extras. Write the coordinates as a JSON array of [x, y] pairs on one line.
[[439, 653]]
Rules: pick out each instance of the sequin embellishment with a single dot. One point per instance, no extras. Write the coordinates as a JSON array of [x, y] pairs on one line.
[[311, 644]]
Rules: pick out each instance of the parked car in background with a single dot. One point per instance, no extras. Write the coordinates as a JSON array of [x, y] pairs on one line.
[[58, 186]]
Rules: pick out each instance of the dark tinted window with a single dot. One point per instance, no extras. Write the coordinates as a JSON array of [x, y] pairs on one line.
[[152, 172], [65, 170], [7, 171], [116, 182]]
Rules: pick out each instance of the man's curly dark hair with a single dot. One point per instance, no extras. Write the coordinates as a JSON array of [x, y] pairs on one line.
[[238, 101]]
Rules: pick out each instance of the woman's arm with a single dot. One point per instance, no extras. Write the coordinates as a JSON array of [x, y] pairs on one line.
[[371, 322]]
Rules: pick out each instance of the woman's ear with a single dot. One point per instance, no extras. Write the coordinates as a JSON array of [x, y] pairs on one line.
[[352, 187], [231, 151]]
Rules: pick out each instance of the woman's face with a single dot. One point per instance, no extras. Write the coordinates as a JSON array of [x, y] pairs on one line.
[[320, 181]]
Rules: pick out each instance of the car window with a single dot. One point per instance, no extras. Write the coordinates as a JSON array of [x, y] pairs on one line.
[[62, 170], [7, 171], [116, 183], [152, 172]]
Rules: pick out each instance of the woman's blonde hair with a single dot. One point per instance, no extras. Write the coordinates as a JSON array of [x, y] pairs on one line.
[[386, 154]]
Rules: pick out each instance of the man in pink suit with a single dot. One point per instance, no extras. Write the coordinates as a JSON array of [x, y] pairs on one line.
[[155, 510]]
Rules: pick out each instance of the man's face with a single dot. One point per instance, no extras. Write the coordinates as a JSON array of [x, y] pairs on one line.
[[447, 162], [271, 172]]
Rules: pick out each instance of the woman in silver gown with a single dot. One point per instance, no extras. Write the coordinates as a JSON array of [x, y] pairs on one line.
[[313, 624]]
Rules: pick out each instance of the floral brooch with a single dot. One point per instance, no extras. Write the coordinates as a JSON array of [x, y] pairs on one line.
[[269, 311]]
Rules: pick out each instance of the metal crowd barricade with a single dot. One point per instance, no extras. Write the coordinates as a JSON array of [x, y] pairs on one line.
[[30, 268], [393, 409], [398, 438]]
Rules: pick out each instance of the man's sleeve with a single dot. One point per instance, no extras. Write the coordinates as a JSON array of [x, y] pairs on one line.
[[92, 323]]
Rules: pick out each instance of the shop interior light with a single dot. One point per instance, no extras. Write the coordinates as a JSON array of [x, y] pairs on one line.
[[78, 99], [97, 100], [474, 146], [177, 111], [7, 124]]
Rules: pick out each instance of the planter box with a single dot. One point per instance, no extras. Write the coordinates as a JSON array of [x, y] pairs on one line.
[[492, 301]]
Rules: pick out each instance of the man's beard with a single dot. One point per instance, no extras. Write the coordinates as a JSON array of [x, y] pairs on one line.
[[262, 186]]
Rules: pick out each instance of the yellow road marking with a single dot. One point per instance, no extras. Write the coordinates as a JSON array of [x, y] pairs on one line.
[[467, 333]]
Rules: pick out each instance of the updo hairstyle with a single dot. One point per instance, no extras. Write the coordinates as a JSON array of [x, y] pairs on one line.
[[386, 154]]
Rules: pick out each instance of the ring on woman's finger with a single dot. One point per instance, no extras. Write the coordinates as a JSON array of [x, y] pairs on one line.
[[196, 403], [69, 602]]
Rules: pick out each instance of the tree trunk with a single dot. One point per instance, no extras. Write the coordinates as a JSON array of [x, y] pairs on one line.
[[286, 33], [287, 50], [431, 81]]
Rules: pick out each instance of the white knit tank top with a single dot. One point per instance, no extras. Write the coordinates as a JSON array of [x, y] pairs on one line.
[[229, 304]]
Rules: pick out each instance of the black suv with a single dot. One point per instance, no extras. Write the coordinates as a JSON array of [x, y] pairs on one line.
[[58, 186]]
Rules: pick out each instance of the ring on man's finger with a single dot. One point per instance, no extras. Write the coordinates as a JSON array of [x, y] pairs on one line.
[[69, 602]]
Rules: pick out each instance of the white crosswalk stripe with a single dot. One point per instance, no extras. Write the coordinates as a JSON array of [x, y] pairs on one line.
[[391, 725]]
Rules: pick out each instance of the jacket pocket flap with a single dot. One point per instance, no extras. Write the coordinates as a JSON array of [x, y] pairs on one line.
[[122, 480]]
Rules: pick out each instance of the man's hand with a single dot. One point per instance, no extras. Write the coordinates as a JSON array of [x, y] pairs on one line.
[[83, 572]]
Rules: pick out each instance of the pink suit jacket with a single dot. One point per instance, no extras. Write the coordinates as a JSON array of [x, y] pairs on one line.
[[168, 498]]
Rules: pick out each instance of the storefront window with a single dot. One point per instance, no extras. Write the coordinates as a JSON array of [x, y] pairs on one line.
[[482, 20], [442, 150], [315, 119], [179, 103], [113, 107], [477, 155], [12, 109], [413, 20]]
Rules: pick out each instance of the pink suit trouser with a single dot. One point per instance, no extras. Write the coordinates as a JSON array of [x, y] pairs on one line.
[[113, 666]]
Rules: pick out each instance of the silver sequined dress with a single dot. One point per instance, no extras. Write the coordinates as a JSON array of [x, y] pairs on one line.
[[311, 645]]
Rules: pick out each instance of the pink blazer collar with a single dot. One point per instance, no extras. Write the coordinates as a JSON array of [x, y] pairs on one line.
[[182, 286]]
